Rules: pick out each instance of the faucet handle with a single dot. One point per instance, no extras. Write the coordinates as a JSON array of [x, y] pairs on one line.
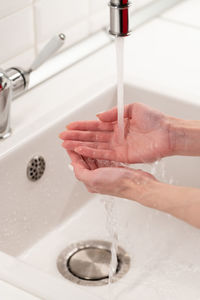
[[14, 81], [52, 46], [20, 77]]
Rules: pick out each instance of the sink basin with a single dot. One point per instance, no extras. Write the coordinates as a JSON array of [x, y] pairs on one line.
[[38, 219]]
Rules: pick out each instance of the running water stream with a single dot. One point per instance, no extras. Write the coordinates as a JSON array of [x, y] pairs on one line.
[[119, 42], [111, 226], [110, 201]]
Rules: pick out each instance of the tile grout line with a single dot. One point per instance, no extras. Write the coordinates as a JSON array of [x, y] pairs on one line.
[[16, 11], [35, 29], [21, 53], [179, 23], [11, 15]]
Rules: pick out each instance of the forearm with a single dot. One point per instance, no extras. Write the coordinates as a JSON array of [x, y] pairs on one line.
[[181, 202], [185, 137]]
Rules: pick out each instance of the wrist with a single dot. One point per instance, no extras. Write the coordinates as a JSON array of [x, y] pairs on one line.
[[180, 202], [143, 190], [184, 137]]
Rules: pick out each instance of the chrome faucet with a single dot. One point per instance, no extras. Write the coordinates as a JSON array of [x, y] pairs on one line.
[[14, 81], [120, 17]]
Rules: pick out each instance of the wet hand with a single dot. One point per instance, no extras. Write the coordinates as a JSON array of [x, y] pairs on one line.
[[105, 177], [147, 136], [111, 179]]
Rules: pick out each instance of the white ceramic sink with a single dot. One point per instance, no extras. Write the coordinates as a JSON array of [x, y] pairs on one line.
[[39, 219]]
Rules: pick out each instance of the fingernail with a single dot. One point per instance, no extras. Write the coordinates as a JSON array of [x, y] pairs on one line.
[[71, 167]]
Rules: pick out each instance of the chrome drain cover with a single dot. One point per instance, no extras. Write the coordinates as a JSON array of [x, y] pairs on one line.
[[88, 263]]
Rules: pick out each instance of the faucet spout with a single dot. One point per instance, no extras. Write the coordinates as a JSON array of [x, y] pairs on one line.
[[120, 18]]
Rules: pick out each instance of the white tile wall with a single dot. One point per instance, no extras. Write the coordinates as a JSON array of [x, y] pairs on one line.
[[141, 3], [53, 15], [16, 33], [187, 13], [26, 25], [24, 59], [97, 5], [98, 20], [8, 7]]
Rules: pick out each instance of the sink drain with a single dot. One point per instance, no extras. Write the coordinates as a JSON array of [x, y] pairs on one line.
[[88, 263], [36, 168]]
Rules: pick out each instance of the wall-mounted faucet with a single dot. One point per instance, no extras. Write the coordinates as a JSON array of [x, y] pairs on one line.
[[15, 81], [120, 17]]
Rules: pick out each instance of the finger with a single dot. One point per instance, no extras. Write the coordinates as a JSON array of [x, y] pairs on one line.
[[107, 164], [90, 125], [103, 163], [89, 136], [81, 168], [90, 162], [71, 145], [77, 159], [112, 114], [96, 153]]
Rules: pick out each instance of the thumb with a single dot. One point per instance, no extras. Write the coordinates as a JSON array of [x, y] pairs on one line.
[[112, 114], [108, 116]]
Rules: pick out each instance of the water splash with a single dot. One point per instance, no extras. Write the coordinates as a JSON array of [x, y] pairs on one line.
[[159, 170], [111, 226]]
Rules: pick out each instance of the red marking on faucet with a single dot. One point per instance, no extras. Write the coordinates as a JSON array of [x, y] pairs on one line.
[[1, 88], [125, 21], [124, 2]]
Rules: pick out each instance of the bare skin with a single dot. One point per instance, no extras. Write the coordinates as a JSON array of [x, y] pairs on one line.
[[136, 185], [149, 135]]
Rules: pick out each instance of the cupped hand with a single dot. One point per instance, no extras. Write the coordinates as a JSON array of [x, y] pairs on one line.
[[147, 136], [105, 177]]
